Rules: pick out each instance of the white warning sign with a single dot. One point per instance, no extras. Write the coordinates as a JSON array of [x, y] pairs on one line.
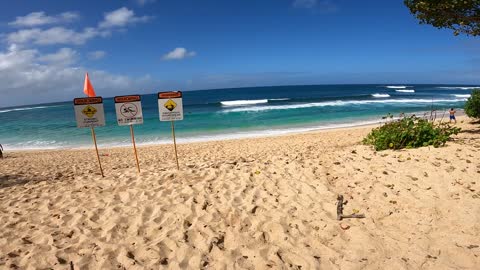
[[129, 110], [89, 112], [170, 106]]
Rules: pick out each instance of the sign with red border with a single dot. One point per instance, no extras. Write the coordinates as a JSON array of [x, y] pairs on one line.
[[128, 110], [170, 106], [89, 112]]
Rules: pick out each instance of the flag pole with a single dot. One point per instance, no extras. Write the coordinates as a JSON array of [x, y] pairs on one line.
[[134, 147], [96, 150], [175, 144]]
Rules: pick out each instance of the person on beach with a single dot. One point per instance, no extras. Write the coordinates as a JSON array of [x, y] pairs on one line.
[[452, 115], [1, 151]]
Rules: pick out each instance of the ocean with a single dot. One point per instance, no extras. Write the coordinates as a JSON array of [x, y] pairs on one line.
[[229, 113]]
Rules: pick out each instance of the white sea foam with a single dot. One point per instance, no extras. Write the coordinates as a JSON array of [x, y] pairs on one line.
[[25, 109], [337, 103], [396, 86], [462, 96], [405, 90], [459, 87], [243, 102], [34, 145], [380, 95], [257, 133], [42, 145], [249, 133], [45, 145]]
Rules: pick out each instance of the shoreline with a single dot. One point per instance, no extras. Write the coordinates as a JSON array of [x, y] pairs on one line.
[[235, 136], [179, 140]]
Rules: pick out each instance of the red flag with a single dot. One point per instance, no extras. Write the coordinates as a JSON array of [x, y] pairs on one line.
[[88, 88]]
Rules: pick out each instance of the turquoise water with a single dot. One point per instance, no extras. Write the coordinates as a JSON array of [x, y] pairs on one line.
[[230, 113]]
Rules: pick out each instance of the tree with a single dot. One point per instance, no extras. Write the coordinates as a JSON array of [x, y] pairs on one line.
[[472, 106], [462, 16]]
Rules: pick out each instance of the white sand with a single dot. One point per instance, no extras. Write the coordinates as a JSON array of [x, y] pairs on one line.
[[266, 203]]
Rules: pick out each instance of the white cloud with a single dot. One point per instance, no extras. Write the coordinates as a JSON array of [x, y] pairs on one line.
[[304, 3], [95, 55], [64, 57], [62, 35], [15, 58], [29, 77], [120, 18], [179, 53], [40, 18], [54, 35]]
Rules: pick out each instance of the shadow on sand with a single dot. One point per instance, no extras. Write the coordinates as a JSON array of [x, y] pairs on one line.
[[471, 131], [11, 180]]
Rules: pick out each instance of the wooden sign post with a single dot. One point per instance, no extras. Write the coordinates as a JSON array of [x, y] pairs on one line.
[[175, 144], [170, 106], [89, 113], [134, 148], [129, 113], [96, 150]]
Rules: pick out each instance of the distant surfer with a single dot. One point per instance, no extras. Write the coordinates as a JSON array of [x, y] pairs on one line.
[[452, 115]]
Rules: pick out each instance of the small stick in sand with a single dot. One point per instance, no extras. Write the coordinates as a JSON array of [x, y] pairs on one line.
[[339, 207], [340, 214]]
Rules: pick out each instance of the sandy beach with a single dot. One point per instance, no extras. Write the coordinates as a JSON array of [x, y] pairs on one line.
[[265, 203]]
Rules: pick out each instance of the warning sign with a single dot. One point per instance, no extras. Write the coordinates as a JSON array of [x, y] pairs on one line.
[[89, 112], [170, 106], [129, 110]]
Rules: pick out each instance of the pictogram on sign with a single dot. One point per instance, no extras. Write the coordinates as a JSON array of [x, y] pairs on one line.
[[89, 111], [128, 109], [170, 105]]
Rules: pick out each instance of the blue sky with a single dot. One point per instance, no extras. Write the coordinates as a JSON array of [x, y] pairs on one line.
[[142, 46]]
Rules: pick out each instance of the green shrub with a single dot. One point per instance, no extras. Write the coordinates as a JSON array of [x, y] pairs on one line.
[[409, 132], [472, 106]]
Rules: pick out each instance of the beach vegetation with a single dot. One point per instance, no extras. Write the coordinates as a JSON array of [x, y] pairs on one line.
[[472, 106], [410, 132], [462, 16]]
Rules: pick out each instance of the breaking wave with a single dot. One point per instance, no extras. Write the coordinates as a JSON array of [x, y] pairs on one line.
[[338, 103], [461, 96], [459, 87], [380, 95], [278, 99], [243, 102], [396, 86], [25, 109]]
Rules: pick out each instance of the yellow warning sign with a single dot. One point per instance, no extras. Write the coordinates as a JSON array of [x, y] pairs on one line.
[[89, 111], [170, 105]]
